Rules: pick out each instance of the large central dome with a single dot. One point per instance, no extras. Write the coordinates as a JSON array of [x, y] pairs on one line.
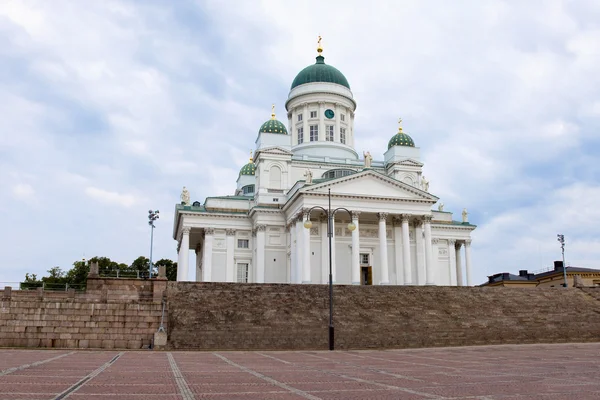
[[320, 72]]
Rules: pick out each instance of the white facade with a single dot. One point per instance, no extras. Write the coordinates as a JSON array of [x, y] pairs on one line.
[[259, 236]]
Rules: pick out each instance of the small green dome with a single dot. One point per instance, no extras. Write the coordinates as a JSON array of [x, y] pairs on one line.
[[273, 126], [248, 169], [401, 139], [320, 72]]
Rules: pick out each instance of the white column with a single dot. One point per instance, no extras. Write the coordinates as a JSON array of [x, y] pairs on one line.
[[208, 252], [429, 280], [355, 250], [398, 254], [336, 133], [230, 268], [324, 250], [299, 248], [305, 115], [406, 262], [468, 262], [452, 261], [332, 251], [198, 262], [385, 275], [184, 253], [179, 256], [420, 250], [293, 250], [260, 253], [321, 117], [306, 251], [459, 274]]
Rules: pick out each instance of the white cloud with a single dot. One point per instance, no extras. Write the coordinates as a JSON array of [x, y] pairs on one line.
[[23, 191], [105, 196]]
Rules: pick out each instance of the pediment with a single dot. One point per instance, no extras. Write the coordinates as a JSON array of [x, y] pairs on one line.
[[274, 150], [409, 163], [372, 185]]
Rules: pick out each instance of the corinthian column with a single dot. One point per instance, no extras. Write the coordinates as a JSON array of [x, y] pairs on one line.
[[208, 252], [398, 251], [184, 254], [260, 253], [355, 250], [459, 274], [468, 261], [385, 276], [428, 251], [306, 248], [324, 250], [408, 279], [293, 250], [452, 261], [229, 271]]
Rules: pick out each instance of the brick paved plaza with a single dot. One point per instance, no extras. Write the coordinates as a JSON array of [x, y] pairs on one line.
[[558, 371]]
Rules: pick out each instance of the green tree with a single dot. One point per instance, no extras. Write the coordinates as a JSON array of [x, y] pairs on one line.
[[77, 275], [140, 264], [171, 268]]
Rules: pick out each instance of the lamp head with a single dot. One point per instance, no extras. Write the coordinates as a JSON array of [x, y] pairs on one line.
[[351, 226], [308, 224]]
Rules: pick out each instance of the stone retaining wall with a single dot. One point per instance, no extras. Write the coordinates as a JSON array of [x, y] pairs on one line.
[[112, 313], [270, 316]]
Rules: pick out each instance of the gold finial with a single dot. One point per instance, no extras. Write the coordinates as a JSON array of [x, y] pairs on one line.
[[273, 111], [251, 160], [319, 47], [399, 125]]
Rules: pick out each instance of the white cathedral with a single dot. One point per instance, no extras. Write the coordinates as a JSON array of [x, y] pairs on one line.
[[274, 229]]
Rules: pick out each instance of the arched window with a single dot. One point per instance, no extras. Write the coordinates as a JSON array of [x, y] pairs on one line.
[[408, 179], [337, 173], [275, 177]]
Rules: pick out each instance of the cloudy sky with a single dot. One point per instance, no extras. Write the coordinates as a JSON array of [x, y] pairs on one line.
[[110, 107]]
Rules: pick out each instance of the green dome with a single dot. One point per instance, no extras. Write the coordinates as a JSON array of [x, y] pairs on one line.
[[320, 72], [273, 126], [248, 169], [401, 139]]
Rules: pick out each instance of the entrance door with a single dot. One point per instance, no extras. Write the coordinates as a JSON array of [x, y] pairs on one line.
[[366, 271]]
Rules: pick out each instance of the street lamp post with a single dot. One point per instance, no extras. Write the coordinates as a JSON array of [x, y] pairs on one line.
[[152, 216], [561, 240], [351, 226]]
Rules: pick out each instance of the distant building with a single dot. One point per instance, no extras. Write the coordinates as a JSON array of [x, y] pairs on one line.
[[576, 276]]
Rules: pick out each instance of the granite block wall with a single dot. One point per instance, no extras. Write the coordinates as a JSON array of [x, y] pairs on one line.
[[222, 316], [112, 313]]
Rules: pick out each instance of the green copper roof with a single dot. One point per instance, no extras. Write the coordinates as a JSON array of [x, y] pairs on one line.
[[273, 126], [320, 72], [248, 169], [401, 139]]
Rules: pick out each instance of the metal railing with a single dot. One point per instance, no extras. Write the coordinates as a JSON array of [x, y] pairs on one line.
[[55, 287]]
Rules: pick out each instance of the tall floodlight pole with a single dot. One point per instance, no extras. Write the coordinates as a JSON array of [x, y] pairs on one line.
[[351, 226], [152, 216], [561, 240]]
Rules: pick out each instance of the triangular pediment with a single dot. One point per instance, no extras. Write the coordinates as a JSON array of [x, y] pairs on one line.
[[372, 185], [407, 162], [274, 150]]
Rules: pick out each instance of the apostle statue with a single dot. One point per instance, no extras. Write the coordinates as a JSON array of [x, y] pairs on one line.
[[308, 175], [424, 184], [368, 159], [185, 197], [441, 207], [465, 215]]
